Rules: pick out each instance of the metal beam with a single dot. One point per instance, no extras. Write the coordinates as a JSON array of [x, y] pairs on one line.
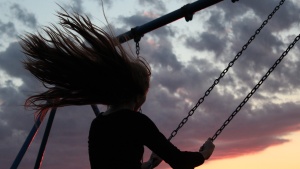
[[26, 144], [39, 158], [186, 11]]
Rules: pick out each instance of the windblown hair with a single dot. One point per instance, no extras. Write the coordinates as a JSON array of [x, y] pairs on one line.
[[79, 64]]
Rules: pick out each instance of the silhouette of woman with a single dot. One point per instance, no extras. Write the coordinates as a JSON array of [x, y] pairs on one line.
[[81, 64]]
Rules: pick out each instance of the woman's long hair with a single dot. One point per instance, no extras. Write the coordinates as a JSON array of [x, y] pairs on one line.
[[79, 63]]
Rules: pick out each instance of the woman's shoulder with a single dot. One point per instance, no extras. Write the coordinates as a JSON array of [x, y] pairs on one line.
[[124, 114], [134, 115]]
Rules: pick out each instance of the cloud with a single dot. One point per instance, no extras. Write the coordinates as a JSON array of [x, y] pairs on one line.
[[156, 5], [7, 29], [11, 64], [135, 20], [77, 6], [140, 18], [24, 16], [207, 41], [12, 98], [162, 55], [285, 16], [106, 3], [176, 87]]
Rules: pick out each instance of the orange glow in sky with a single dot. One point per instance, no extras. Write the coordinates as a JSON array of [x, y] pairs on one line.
[[285, 156]]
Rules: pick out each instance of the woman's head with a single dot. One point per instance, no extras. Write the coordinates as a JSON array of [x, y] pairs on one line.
[[80, 63]]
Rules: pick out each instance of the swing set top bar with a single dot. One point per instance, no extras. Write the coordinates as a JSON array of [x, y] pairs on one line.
[[186, 11]]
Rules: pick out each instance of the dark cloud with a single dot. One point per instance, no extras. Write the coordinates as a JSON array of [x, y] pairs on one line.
[[24, 16], [77, 6], [207, 41], [162, 56], [260, 55], [7, 29], [14, 118], [135, 20], [157, 5], [284, 18], [11, 63], [11, 60], [140, 19], [106, 3]]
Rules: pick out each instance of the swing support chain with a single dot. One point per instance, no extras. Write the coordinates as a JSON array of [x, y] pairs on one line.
[[137, 49], [136, 37], [230, 64], [250, 94]]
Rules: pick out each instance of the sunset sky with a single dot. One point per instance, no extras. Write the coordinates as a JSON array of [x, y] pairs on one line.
[[186, 58]]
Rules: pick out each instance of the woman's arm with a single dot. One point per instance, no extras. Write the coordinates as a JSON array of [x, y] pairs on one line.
[[158, 143]]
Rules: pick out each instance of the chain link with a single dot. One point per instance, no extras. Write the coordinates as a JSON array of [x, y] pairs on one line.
[[137, 51], [218, 132], [231, 63], [137, 47]]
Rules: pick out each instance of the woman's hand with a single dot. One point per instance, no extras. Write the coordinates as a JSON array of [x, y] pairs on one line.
[[153, 162], [207, 149]]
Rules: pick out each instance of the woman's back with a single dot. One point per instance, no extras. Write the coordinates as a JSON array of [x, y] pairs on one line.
[[116, 141]]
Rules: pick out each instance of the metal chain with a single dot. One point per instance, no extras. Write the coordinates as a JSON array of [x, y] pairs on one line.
[[137, 47], [192, 111], [218, 132], [137, 51]]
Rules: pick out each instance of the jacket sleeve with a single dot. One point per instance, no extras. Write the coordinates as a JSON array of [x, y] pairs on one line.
[[158, 143]]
